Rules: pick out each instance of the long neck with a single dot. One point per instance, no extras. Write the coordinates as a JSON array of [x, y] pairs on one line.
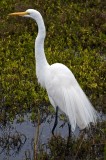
[[41, 62], [39, 43]]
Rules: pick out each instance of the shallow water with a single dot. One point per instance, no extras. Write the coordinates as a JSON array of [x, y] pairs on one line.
[[17, 139]]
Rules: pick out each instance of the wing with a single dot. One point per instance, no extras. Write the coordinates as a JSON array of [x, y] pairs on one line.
[[64, 92]]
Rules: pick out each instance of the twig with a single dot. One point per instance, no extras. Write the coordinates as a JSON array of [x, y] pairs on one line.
[[36, 137]]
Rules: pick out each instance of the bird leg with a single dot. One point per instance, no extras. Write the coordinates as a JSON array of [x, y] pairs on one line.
[[56, 120], [69, 129]]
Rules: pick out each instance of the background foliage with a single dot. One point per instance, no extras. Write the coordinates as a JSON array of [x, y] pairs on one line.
[[75, 36]]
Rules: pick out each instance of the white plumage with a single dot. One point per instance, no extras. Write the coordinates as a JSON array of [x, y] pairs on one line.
[[62, 87], [64, 91]]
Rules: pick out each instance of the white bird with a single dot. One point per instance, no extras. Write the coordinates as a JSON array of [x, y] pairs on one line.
[[62, 88]]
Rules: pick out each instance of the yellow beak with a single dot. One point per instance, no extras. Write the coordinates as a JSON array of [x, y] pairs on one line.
[[18, 14]]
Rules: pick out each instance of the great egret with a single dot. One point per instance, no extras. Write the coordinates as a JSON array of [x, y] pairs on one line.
[[62, 88]]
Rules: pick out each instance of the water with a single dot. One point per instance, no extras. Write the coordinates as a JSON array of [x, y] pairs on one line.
[[17, 139]]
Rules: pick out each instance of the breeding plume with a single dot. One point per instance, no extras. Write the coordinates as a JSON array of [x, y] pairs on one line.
[[62, 88]]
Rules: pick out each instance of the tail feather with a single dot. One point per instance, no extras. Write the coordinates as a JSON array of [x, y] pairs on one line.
[[78, 108]]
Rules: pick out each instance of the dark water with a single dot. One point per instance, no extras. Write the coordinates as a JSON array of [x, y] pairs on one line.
[[17, 139]]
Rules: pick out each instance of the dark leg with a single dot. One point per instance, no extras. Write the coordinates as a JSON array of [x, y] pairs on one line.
[[69, 129], [56, 121]]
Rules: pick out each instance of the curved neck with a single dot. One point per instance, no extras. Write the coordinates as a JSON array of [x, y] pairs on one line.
[[41, 62], [39, 43]]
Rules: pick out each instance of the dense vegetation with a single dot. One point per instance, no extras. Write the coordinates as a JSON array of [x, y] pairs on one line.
[[76, 36]]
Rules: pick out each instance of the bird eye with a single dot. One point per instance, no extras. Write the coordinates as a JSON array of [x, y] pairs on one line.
[[28, 13]]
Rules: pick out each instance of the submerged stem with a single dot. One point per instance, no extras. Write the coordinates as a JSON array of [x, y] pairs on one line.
[[36, 137]]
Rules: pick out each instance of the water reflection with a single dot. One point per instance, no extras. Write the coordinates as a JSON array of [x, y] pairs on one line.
[[17, 139], [11, 142]]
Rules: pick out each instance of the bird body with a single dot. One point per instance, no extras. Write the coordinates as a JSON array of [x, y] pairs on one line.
[[64, 91], [62, 88]]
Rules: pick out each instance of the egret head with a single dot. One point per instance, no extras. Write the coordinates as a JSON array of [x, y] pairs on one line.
[[28, 13], [34, 14]]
